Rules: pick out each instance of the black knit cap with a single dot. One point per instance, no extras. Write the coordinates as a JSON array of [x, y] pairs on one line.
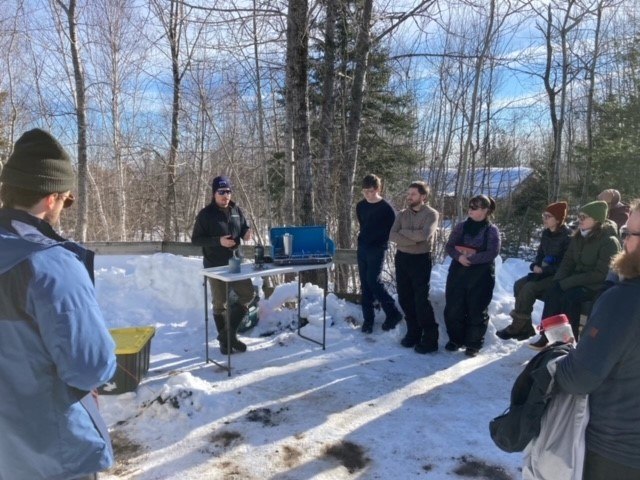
[[40, 164]]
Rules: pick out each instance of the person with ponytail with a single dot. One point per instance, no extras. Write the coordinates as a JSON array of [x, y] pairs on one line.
[[473, 246]]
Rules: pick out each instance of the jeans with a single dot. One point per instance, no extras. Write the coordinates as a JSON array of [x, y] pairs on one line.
[[370, 261]]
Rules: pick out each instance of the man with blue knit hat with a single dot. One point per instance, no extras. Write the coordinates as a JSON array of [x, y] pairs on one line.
[[54, 345], [218, 230]]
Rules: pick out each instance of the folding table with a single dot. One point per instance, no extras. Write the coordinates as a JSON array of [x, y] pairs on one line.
[[247, 271]]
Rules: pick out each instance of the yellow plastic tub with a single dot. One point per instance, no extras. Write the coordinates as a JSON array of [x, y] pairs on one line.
[[133, 346]]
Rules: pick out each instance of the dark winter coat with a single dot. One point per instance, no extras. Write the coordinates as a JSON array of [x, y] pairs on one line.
[[214, 222], [486, 242], [606, 365], [553, 246], [586, 262], [513, 430]]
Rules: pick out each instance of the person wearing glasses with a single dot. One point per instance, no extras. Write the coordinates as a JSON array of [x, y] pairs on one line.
[[219, 228], [473, 246], [375, 217], [526, 290], [583, 269], [606, 365], [413, 232], [55, 349]]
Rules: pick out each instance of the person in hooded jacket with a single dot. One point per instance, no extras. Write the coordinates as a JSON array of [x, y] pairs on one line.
[[618, 212], [473, 246], [583, 269], [55, 348], [606, 366], [526, 290], [218, 229]]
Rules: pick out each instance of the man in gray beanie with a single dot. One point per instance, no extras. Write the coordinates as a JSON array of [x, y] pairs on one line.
[[55, 348]]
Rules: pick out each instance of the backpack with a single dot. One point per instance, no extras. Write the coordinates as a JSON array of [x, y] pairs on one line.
[[520, 423]]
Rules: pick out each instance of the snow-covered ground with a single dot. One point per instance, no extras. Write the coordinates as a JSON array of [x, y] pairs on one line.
[[364, 408]]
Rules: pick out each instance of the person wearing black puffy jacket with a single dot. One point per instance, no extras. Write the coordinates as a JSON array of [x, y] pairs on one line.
[[553, 245]]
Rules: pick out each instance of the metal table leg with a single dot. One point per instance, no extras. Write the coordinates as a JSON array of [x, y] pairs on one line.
[[227, 321], [324, 312], [206, 322]]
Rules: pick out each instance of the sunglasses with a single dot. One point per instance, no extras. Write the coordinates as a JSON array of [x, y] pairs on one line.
[[476, 207], [624, 233], [66, 201], [223, 192]]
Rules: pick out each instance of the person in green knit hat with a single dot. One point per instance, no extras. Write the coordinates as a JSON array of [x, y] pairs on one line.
[[583, 269]]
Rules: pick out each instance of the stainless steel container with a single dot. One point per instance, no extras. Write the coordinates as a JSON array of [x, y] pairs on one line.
[[287, 244]]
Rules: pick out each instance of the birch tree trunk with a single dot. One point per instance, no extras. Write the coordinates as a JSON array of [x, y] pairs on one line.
[[461, 198], [81, 118]]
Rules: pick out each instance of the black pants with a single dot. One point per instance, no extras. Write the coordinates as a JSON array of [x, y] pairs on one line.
[[370, 261], [569, 302], [597, 467], [413, 276], [468, 294]]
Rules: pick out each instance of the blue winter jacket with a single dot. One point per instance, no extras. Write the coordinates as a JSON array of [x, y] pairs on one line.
[[54, 349]]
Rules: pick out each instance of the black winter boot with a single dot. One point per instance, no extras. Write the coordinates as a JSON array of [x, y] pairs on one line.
[[520, 328], [238, 311], [222, 332], [427, 344]]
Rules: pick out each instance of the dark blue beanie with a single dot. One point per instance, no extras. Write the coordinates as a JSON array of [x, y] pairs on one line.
[[220, 182]]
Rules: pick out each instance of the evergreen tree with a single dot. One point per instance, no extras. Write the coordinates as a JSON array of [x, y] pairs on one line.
[[388, 117], [616, 143]]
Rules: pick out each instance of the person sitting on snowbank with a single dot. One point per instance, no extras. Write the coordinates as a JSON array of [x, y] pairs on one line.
[[526, 290]]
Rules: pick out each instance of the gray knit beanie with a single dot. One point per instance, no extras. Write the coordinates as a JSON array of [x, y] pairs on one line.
[[40, 164]]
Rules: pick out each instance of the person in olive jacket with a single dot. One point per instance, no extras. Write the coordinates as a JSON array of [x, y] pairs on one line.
[[526, 290], [583, 269]]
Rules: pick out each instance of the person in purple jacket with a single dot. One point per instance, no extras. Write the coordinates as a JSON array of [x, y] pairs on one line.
[[473, 246]]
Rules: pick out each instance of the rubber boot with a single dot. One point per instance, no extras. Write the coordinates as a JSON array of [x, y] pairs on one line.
[[520, 328], [219, 318], [238, 312]]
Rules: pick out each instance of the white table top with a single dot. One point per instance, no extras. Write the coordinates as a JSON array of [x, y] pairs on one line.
[[247, 271]]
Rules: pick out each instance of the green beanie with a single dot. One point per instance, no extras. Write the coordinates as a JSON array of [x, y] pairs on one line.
[[596, 210], [40, 164]]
